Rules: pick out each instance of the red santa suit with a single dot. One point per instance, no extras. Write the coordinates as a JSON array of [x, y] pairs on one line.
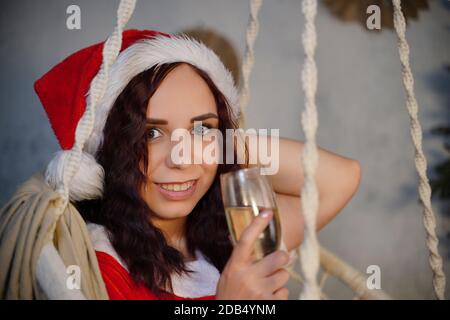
[[198, 285]]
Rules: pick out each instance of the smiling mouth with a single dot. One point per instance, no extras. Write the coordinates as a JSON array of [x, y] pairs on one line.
[[177, 190], [177, 186]]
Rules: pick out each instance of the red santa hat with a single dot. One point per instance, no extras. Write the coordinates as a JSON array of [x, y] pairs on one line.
[[64, 90]]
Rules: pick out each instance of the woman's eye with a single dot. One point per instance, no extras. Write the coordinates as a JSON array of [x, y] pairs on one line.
[[154, 133], [201, 130]]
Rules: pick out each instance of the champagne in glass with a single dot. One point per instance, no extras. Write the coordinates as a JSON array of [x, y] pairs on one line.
[[245, 193]]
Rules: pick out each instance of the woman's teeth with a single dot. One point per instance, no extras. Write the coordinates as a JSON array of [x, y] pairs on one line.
[[178, 186]]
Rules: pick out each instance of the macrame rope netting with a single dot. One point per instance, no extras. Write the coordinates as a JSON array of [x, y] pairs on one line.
[[429, 220], [309, 257], [85, 126], [310, 248], [244, 98], [249, 59]]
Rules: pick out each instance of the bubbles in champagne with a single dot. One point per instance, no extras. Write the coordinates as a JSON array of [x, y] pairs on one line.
[[238, 218]]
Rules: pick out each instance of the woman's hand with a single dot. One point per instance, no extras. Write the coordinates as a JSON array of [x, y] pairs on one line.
[[263, 280]]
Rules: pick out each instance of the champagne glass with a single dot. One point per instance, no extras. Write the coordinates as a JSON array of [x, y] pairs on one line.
[[245, 193]]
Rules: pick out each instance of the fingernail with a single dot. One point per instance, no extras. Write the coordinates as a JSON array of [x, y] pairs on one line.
[[266, 214]]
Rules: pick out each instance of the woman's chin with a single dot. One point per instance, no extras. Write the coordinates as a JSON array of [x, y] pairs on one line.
[[174, 210]]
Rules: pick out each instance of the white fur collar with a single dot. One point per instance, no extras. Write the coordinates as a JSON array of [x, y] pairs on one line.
[[201, 282]]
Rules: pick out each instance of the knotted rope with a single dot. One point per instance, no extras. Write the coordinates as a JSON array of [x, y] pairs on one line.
[[429, 220]]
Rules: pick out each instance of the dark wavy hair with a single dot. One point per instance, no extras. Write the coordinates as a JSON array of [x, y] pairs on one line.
[[123, 211]]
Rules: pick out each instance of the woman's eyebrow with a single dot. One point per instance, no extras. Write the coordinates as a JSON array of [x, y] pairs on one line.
[[197, 118], [204, 116], [156, 121]]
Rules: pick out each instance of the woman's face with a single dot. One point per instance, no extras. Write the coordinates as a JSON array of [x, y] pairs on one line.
[[173, 190]]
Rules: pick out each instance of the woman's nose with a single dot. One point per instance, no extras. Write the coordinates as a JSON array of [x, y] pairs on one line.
[[184, 153]]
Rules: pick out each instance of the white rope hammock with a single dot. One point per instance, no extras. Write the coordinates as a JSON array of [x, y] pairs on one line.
[[310, 247], [312, 255]]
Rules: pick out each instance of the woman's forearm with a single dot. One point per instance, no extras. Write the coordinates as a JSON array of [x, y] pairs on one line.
[[331, 173], [332, 169], [337, 180]]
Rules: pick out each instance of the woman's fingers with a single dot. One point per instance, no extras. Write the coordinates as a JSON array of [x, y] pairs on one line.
[[246, 243], [271, 263], [264, 279], [281, 294], [276, 281]]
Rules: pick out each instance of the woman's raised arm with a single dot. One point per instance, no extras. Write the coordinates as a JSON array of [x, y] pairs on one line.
[[337, 179]]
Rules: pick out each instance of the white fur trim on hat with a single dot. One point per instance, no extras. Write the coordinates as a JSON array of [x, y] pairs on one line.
[[87, 182], [147, 53]]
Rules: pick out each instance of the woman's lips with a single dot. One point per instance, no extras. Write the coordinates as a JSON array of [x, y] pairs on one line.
[[176, 195]]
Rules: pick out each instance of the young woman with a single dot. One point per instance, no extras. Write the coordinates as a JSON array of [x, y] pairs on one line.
[[159, 227]]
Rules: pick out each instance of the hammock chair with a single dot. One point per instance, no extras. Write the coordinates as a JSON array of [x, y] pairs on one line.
[[51, 270]]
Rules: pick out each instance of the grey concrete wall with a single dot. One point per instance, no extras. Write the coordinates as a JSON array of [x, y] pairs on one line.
[[360, 101]]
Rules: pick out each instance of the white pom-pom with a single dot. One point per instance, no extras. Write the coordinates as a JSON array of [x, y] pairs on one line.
[[87, 183]]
